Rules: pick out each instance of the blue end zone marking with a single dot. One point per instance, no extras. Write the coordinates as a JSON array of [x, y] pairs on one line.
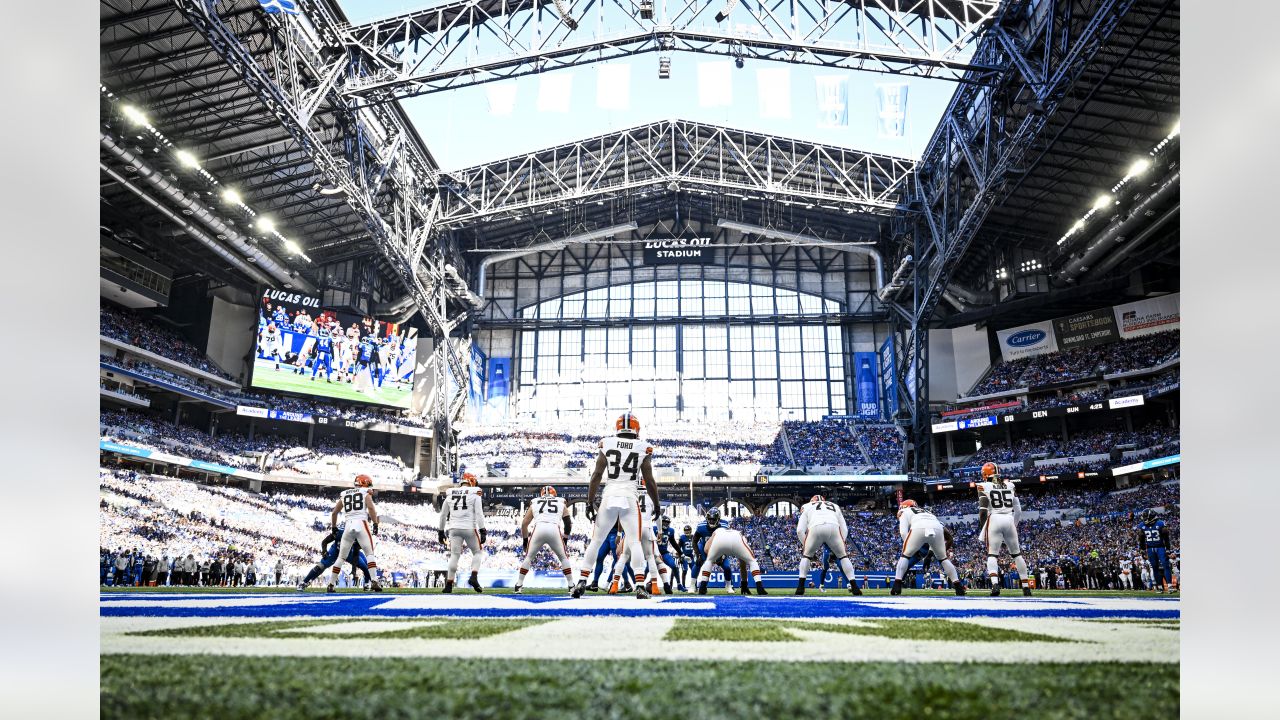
[[724, 606]]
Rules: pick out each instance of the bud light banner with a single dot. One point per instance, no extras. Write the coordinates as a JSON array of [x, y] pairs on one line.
[[1027, 340], [1148, 316], [866, 385]]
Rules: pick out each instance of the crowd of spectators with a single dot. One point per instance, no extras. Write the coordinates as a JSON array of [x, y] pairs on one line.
[[1095, 442], [1080, 363], [129, 327]]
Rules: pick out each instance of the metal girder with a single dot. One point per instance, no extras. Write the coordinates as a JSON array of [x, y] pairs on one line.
[[470, 42], [987, 134], [686, 154], [294, 83]]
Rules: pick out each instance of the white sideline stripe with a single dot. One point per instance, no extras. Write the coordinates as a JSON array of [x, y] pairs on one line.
[[359, 628], [186, 601], [641, 638], [604, 603]]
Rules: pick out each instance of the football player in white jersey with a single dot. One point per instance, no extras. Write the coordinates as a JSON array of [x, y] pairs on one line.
[[1126, 573], [623, 462], [549, 516], [462, 520], [919, 528], [649, 543], [998, 515], [727, 542], [271, 344], [822, 523], [356, 506]]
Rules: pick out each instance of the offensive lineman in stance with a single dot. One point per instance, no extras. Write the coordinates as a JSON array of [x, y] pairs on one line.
[[623, 461], [723, 543], [357, 509], [919, 528], [998, 514], [548, 514], [821, 523], [462, 519]]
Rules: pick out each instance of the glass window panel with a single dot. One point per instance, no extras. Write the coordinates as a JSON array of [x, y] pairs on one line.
[[620, 291], [642, 337], [668, 307], [812, 338], [717, 363], [766, 365], [643, 290], [691, 305], [693, 363], [644, 307], [789, 338], [815, 365], [740, 337], [667, 289], [787, 303], [716, 337], [762, 337], [571, 308], [810, 304], [739, 306], [740, 364], [714, 305], [664, 337], [738, 289]]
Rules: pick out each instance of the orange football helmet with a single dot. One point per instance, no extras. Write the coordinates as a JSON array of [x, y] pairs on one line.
[[547, 491], [364, 481], [628, 423], [989, 470], [816, 499], [469, 479], [908, 504]]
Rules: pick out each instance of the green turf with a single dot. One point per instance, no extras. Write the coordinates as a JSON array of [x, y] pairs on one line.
[[266, 376], [284, 688], [736, 630], [728, 630], [447, 629]]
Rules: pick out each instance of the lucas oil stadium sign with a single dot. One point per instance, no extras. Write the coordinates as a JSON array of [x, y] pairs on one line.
[[678, 251]]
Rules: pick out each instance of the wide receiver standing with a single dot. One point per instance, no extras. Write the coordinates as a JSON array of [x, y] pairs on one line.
[[919, 528], [998, 515], [548, 514], [623, 462], [462, 520], [822, 524], [356, 505]]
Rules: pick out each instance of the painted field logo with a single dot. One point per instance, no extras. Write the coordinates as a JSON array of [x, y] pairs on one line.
[[1025, 338]]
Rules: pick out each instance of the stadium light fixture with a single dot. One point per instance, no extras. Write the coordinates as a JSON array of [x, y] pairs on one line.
[[266, 224], [135, 115], [1138, 167], [187, 159], [293, 247], [1177, 129], [664, 68], [231, 197], [1102, 201]]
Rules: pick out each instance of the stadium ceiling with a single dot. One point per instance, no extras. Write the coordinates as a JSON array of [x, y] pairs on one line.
[[477, 41]]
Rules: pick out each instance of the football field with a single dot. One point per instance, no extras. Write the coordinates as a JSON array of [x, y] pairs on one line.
[[265, 375], [498, 655]]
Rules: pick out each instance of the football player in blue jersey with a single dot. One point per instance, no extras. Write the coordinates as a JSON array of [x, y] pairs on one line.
[[710, 522], [608, 548], [1153, 538], [667, 541], [684, 544], [329, 546], [323, 354]]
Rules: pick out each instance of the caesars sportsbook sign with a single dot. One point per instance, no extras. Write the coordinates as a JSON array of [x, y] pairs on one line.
[[679, 251]]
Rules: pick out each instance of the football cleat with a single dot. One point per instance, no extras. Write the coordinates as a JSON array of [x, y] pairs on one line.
[[854, 589], [641, 593], [613, 588], [760, 588], [627, 587], [593, 587], [1026, 592], [329, 589], [516, 590], [897, 587], [995, 591], [666, 588], [653, 588], [301, 586], [448, 586], [702, 588], [744, 589], [799, 587], [578, 589], [959, 588], [474, 582], [377, 587]]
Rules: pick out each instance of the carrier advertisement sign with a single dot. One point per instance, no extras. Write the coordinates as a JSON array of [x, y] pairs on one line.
[[679, 251], [1084, 329], [1027, 340], [1146, 317]]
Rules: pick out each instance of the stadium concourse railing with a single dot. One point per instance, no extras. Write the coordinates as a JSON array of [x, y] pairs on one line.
[[118, 368], [166, 362]]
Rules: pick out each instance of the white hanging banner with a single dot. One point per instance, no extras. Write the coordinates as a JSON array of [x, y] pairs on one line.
[[502, 97], [613, 87], [773, 87], [554, 91], [715, 84], [1027, 340], [1149, 316], [892, 116], [833, 101]]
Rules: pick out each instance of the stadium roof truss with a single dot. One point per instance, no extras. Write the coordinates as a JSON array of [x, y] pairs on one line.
[[676, 155], [472, 42]]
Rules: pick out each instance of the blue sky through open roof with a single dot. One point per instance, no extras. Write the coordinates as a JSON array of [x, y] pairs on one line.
[[460, 130]]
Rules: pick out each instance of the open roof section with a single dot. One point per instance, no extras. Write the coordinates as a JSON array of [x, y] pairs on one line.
[[464, 47]]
